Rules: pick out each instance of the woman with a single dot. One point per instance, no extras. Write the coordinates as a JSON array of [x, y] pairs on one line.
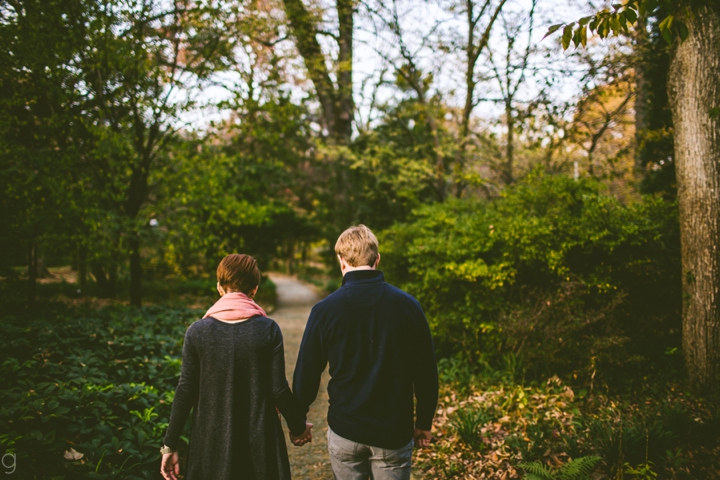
[[233, 374]]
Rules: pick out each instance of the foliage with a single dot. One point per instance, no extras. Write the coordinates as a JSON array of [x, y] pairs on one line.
[[554, 271], [466, 423], [548, 424], [620, 19], [575, 469], [99, 383]]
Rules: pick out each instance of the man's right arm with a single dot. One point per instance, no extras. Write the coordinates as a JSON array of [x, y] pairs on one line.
[[311, 362]]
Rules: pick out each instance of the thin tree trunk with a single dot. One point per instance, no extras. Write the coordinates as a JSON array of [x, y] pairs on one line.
[[345, 104], [642, 42], [510, 145], [694, 88], [82, 267], [135, 272], [32, 272]]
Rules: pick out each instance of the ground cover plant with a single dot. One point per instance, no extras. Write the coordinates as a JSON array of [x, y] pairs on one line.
[[491, 427], [87, 394]]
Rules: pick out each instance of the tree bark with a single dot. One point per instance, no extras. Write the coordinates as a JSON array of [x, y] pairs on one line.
[[82, 267], [32, 273], [135, 271], [336, 101], [694, 88], [642, 42], [345, 103], [510, 145]]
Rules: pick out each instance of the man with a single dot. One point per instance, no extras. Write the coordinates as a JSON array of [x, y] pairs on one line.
[[378, 344]]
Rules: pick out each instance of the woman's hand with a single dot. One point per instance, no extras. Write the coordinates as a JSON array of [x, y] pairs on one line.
[[304, 438], [170, 466]]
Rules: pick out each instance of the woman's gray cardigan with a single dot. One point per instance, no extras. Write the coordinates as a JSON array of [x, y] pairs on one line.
[[233, 378]]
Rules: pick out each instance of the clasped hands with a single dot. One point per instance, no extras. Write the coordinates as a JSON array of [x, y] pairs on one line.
[[306, 436]]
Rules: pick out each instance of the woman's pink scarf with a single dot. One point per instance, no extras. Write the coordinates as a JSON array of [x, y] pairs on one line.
[[234, 306]]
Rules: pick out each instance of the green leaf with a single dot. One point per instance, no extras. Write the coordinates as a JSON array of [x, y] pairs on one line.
[[681, 29], [715, 112], [567, 36], [630, 15], [576, 37], [553, 29], [667, 36]]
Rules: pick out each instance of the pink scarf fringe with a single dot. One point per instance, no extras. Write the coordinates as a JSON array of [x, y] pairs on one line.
[[235, 306]]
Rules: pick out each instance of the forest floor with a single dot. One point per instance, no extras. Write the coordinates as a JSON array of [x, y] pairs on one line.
[[295, 299]]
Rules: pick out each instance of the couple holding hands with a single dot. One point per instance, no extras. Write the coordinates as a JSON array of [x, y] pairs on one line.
[[383, 388]]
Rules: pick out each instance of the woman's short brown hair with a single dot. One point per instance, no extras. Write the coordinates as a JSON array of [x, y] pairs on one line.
[[358, 246], [238, 273]]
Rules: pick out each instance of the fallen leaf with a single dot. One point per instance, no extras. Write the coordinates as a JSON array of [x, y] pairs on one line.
[[72, 454]]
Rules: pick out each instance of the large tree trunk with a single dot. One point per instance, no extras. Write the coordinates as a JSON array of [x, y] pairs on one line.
[[336, 101], [694, 88]]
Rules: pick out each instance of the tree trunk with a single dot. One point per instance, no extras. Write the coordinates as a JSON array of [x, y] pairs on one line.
[[694, 88], [289, 257], [135, 271], [510, 146], [32, 272], [82, 267], [345, 103], [336, 101], [642, 42]]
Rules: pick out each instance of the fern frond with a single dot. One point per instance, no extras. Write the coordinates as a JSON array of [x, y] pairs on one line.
[[579, 469], [532, 476], [537, 471]]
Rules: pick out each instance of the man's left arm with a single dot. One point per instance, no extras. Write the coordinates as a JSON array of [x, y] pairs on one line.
[[425, 381], [311, 361]]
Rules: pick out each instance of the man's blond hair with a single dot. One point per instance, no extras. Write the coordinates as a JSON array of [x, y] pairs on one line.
[[358, 246]]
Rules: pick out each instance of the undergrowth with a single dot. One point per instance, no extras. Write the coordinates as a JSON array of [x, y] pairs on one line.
[[88, 394], [490, 426]]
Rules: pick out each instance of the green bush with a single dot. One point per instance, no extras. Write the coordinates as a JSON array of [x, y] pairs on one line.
[[98, 383], [554, 271]]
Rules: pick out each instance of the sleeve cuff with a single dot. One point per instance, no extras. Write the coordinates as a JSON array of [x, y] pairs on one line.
[[296, 429], [170, 443], [422, 425]]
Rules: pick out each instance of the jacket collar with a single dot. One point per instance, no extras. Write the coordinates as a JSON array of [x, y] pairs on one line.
[[363, 277]]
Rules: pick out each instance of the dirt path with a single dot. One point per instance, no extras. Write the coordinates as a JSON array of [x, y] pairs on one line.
[[295, 299]]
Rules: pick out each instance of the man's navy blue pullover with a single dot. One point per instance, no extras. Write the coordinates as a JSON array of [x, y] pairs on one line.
[[378, 344]]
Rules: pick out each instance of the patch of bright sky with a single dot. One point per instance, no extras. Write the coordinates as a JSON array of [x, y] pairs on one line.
[[433, 32]]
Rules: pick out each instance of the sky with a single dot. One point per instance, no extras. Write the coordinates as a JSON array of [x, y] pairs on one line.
[[427, 27]]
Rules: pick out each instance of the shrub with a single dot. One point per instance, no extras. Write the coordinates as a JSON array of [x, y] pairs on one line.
[[554, 271]]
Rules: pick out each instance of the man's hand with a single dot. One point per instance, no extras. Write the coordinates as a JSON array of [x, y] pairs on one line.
[[304, 438], [170, 466], [422, 437]]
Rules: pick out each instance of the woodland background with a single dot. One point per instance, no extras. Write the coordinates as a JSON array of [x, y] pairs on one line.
[[525, 192]]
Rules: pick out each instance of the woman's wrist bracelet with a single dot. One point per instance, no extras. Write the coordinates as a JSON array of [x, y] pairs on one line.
[[165, 450]]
